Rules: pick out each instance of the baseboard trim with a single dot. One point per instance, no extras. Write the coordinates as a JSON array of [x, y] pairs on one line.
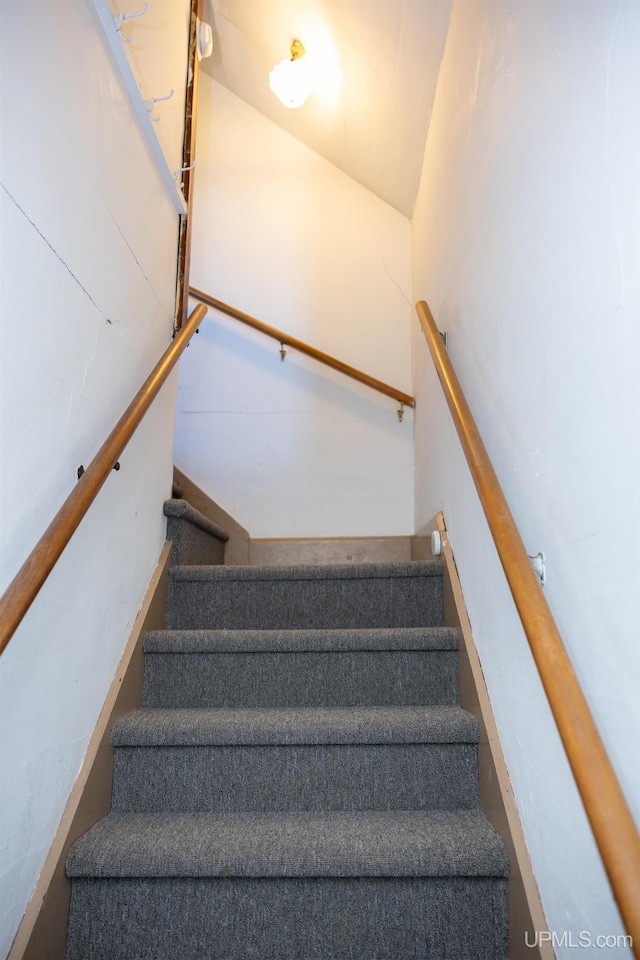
[[526, 915], [42, 935]]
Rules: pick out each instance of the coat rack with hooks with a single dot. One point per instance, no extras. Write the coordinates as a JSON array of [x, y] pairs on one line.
[[112, 27]]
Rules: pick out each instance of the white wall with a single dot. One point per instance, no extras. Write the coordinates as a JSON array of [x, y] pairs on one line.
[[156, 50], [527, 247], [293, 448], [89, 244]]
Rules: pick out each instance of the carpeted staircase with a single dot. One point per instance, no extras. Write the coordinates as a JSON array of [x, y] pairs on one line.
[[299, 783]]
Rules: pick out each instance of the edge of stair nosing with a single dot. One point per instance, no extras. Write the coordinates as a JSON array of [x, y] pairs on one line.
[[305, 726], [177, 509], [291, 845], [347, 571], [356, 640]]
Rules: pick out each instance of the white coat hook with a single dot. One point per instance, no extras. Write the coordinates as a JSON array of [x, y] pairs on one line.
[[119, 20], [183, 170], [149, 104]]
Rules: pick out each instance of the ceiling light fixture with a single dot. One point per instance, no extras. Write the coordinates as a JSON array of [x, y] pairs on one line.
[[292, 80]]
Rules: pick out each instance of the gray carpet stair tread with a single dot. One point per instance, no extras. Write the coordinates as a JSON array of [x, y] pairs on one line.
[[300, 725], [396, 844], [182, 510], [307, 641], [342, 571]]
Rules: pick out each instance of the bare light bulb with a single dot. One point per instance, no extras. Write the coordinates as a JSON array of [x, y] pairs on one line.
[[293, 80]]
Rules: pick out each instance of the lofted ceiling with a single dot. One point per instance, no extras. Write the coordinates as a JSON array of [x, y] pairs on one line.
[[379, 62]]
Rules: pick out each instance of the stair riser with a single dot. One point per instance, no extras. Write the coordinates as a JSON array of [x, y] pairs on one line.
[[288, 778], [192, 545], [335, 679], [449, 918], [305, 604]]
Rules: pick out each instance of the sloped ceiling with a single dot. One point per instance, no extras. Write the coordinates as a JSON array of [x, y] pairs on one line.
[[373, 125]]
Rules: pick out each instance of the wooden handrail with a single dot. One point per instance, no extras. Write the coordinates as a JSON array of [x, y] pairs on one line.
[[25, 586], [302, 347], [609, 815]]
